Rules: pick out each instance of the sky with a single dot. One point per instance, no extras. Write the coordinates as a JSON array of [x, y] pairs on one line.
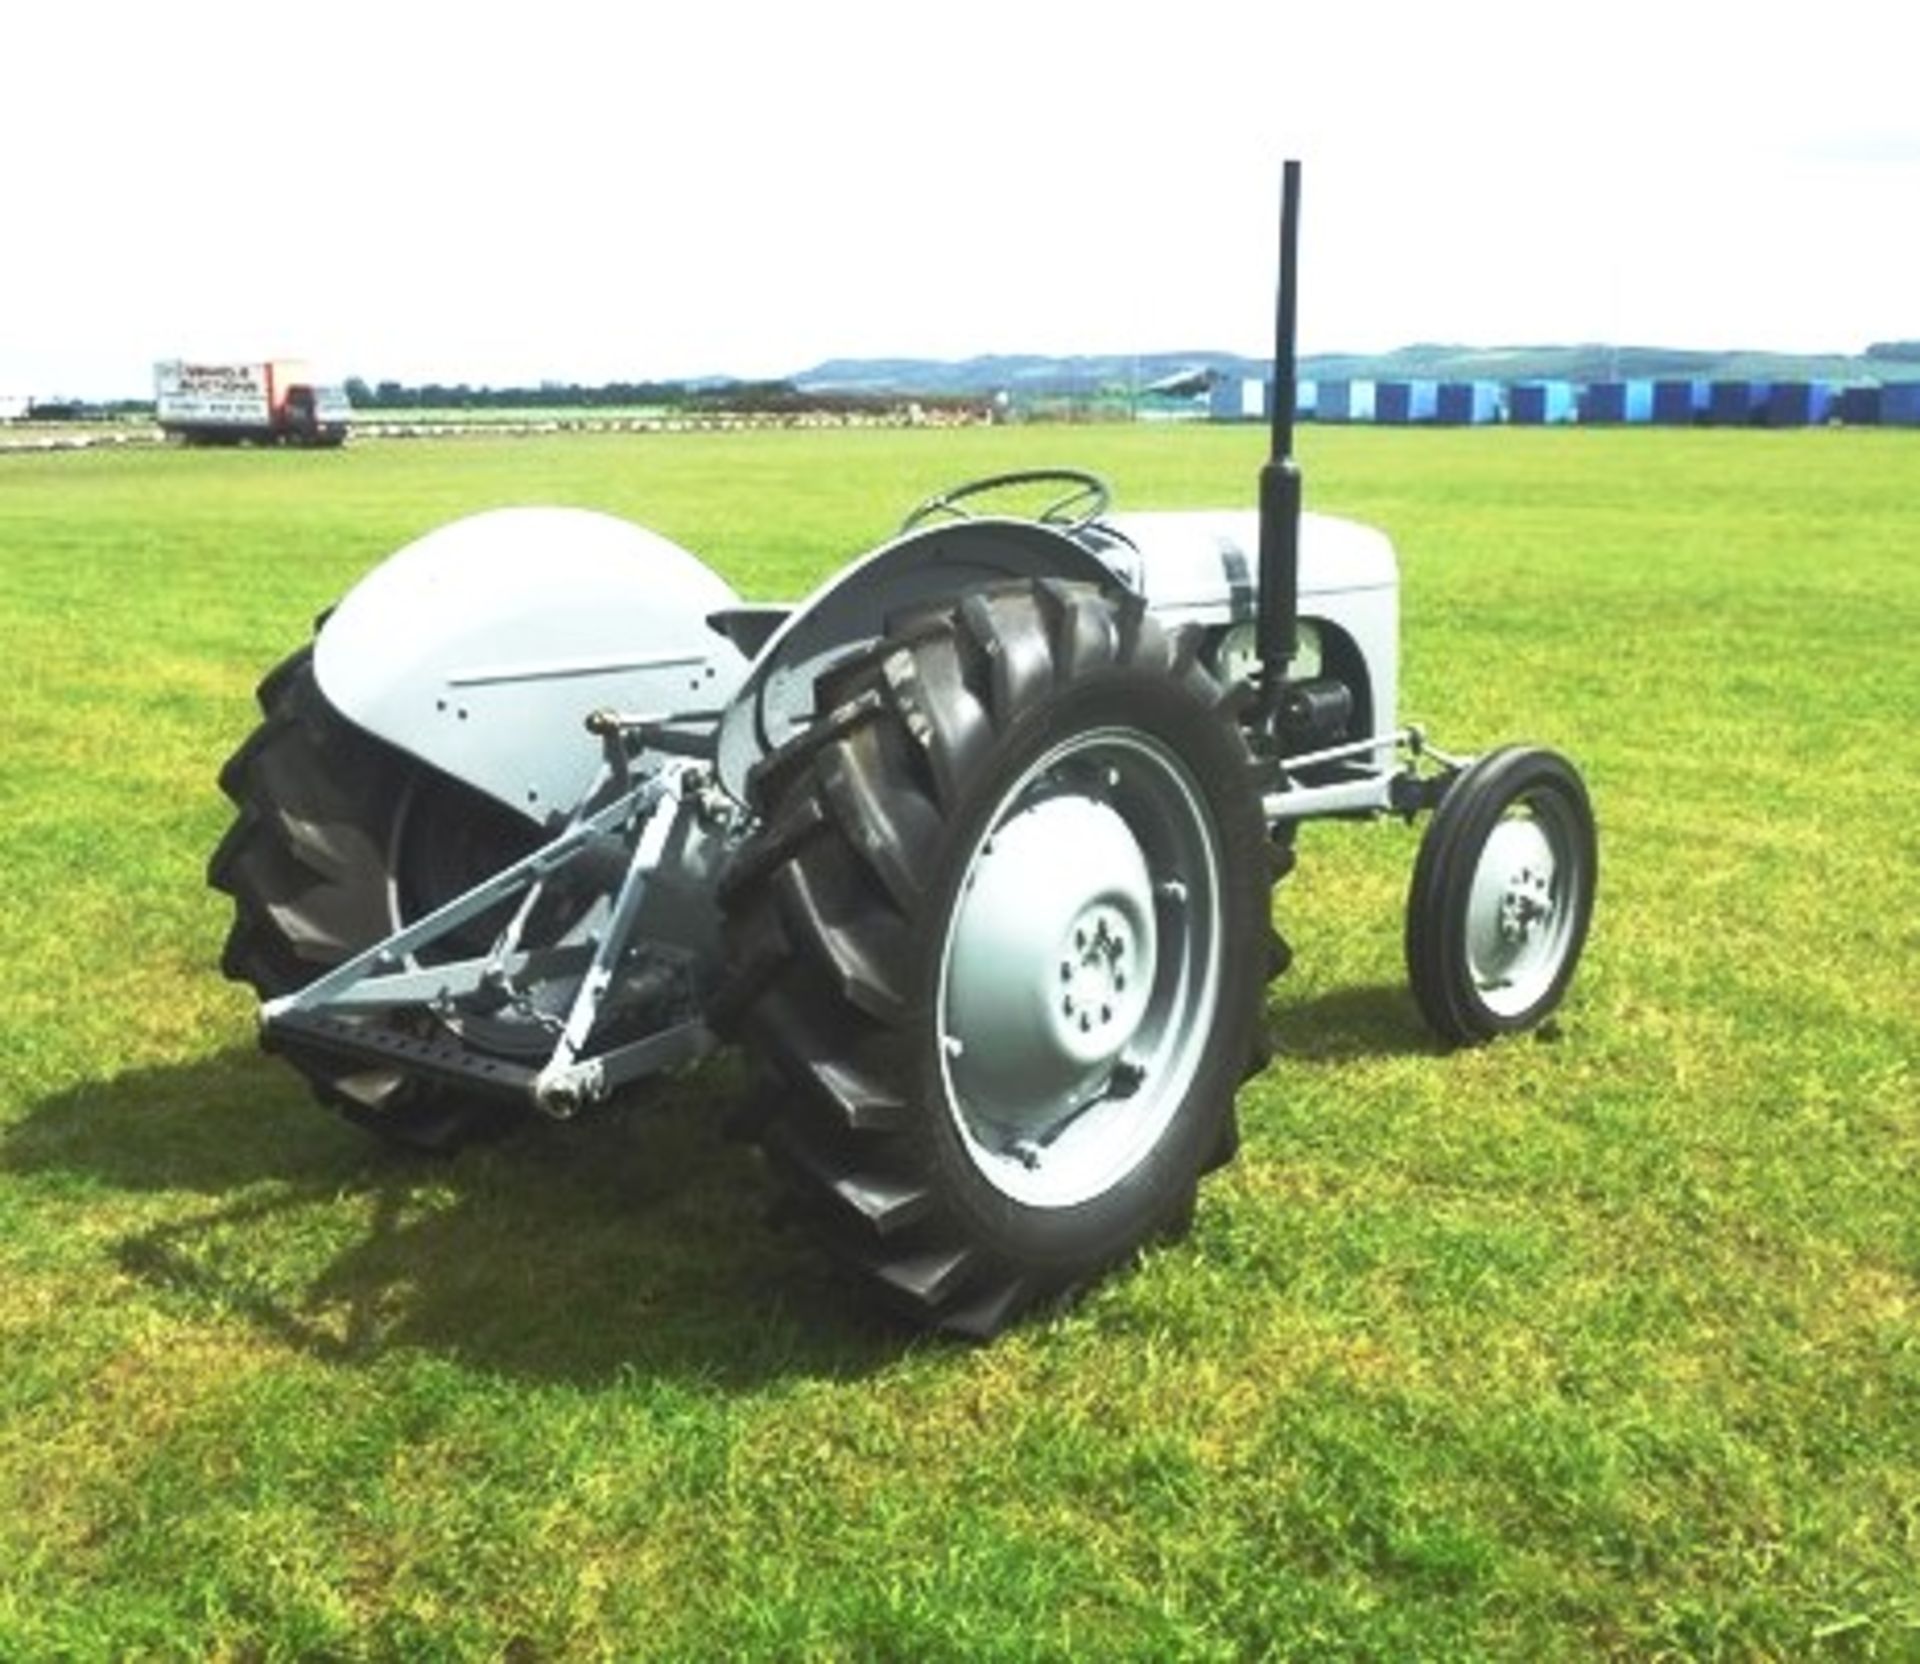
[[556, 191]]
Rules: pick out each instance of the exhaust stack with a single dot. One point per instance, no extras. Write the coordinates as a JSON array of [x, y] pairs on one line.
[[1279, 617]]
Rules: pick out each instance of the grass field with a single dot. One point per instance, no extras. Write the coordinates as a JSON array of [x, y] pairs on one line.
[[1600, 1344]]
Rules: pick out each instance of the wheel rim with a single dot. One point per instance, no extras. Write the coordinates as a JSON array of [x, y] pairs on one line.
[[1080, 972], [1523, 906]]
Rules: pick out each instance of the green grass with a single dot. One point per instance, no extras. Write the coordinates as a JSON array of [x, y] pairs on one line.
[[1601, 1344]]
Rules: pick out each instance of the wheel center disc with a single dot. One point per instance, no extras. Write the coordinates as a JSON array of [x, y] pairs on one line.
[[1052, 958], [1513, 921], [1080, 975]]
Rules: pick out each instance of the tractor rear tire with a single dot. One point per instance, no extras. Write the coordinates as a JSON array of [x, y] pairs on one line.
[[310, 864], [1502, 895], [1001, 944]]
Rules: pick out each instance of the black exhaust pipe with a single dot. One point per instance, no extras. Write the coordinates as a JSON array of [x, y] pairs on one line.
[[1278, 624]]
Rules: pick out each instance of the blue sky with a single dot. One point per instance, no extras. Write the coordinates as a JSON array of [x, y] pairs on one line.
[[505, 194]]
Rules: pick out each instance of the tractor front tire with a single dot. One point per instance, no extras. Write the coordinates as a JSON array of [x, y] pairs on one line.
[[1502, 895], [310, 862], [1001, 943]]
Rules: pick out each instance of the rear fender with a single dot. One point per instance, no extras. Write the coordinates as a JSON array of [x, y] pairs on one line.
[[481, 647]]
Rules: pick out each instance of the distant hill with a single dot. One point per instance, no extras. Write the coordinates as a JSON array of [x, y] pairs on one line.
[[1019, 373], [1038, 375]]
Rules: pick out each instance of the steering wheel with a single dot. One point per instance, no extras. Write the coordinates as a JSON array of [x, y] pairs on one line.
[[1084, 503]]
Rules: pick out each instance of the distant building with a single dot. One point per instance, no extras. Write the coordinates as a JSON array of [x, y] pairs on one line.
[[1467, 403], [1617, 401], [1399, 403], [1900, 404], [1799, 404], [1345, 401], [1237, 399], [1737, 404], [1243, 399], [1679, 404], [13, 406], [1182, 384], [1540, 403], [1859, 406]]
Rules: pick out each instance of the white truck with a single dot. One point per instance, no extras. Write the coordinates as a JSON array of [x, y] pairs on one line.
[[272, 401]]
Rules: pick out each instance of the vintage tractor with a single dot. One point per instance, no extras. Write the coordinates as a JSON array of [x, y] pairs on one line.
[[972, 850]]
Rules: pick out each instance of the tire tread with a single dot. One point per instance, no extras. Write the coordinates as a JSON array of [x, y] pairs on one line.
[[306, 872]]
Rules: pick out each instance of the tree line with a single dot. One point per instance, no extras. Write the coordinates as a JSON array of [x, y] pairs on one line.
[[732, 396]]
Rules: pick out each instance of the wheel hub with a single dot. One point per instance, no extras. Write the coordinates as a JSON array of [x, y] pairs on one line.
[[1527, 906], [1052, 959], [1513, 918], [1101, 976]]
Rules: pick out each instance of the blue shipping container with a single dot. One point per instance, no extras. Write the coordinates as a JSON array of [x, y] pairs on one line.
[[1237, 399], [1603, 401], [1900, 404], [1242, 399], [1679, 403], [1346, 401], [1798, 404], [1467, 403], [1617, 401], [1539, 403], [1736, 404], [1859, 407], [1401, 402]]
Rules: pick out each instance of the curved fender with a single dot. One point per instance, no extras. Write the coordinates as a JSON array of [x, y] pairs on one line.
[[481, 647], [851, 609]]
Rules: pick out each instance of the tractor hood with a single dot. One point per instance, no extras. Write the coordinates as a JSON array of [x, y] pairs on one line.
[[1204, 564]]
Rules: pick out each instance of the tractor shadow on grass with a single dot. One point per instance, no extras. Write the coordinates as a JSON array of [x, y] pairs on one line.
[[634, 1246], [1345, 1025]]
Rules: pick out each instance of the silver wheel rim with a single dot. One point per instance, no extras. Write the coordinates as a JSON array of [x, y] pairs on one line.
[[1523, 905], [1081, 968]]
